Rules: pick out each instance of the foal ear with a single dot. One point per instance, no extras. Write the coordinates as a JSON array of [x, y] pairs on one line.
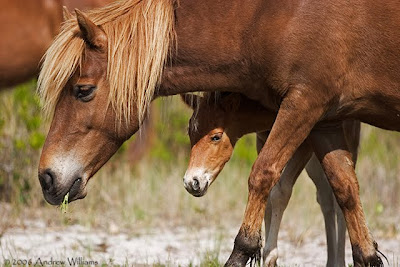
[[231, 102], [191, 100], [91, 33], [66, 14]]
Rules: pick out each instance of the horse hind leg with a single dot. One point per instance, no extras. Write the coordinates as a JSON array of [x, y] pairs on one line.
[[351, 130], [336, 160]]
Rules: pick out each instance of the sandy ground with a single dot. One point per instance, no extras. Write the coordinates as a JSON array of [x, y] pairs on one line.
[[172, 247]]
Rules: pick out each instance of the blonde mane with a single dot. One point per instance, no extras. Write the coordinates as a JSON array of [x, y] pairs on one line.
[[139, 36]]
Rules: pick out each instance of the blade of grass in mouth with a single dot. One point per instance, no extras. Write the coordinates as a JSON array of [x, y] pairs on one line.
[[64, 204]]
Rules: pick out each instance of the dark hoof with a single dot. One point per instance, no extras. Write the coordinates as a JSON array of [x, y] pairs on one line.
[[237, 259], [366, 261], [255, 260], [240, 259], [245, 249]]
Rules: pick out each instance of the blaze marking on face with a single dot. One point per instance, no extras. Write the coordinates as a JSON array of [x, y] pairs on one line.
[[64, 165], [203, 177]]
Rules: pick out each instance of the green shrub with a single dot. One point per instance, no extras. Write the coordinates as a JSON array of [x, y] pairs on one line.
[[21, 137]]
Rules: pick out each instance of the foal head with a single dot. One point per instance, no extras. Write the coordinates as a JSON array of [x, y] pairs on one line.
[[218, 121], [98, 82]]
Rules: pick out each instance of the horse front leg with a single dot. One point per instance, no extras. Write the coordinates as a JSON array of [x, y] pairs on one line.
[[331, 148], [341, 236], [299, 112], [279, 199], [261, 138], [327, 202]]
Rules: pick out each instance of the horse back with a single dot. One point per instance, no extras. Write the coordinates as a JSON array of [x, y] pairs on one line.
[[347, 52], [27, 29]]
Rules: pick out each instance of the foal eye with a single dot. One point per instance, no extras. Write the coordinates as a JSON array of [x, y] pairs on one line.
[[216, 137], [84, 92]]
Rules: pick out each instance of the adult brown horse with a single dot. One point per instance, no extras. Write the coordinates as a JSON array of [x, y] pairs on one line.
[[27, 30], [315, 63]]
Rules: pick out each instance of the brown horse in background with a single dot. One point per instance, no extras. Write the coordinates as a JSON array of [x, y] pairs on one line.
[[27, 30], [84, 4], [314, 63], [218, 122]]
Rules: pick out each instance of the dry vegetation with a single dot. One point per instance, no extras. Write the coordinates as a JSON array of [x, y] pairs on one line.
[[136, 195]]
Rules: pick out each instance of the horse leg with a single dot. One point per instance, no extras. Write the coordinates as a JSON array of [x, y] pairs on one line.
[[279, 199], [298, 113], [341, 236], [270, 253], [327, 202], [331, 148], [351, 130], [261, 138]]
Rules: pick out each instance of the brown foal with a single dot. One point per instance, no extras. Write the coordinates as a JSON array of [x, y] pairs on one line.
[[218, 122]]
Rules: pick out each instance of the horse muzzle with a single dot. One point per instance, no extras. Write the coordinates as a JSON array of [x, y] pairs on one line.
[[197, 183], [54, 191]]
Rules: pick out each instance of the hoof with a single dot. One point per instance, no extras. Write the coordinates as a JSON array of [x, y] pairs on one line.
[[270, 257], [366, 261], [241, 259], [237, 259], [246, 248]]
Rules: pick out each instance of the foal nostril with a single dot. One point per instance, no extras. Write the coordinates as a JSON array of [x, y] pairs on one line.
[[196, 184], [46, 179]]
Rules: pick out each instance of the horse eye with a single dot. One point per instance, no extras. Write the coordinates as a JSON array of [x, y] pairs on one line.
[[216, 137], [84, 92]]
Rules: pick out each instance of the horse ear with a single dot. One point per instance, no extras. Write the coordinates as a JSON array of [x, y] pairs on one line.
[[66, 14], [231, 102], [191, 100], [91, 33]]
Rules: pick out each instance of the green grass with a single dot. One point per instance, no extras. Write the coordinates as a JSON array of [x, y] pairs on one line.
[[64, 204], [22, 135], [210, 259]]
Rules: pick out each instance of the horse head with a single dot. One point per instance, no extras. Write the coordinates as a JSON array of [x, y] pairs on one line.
[[98, 79], [213, 133], [84, 133]]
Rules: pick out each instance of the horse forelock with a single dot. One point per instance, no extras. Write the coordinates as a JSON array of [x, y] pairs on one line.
[[139, 35], [207, 99]]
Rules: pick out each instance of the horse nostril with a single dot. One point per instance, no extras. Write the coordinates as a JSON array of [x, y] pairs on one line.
[[46, 179], [196, 184]]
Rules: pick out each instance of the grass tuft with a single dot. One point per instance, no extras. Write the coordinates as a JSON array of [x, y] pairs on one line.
[[64, 204]]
